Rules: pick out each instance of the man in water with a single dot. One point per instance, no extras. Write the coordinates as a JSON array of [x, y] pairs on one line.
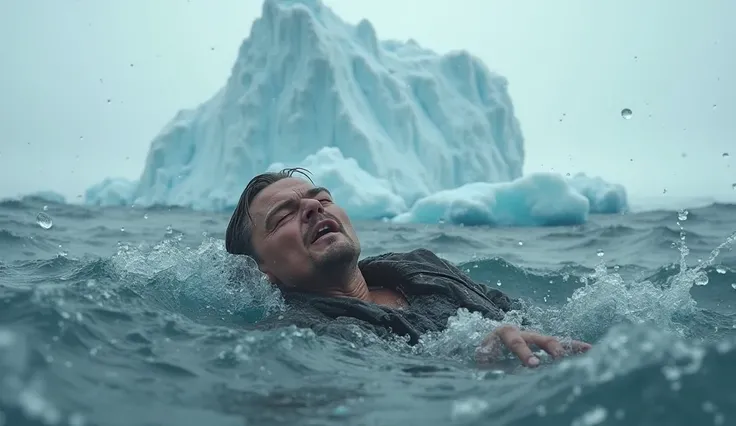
[[306, 246]]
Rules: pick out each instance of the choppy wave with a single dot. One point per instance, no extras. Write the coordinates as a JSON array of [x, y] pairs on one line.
[[153, 323]]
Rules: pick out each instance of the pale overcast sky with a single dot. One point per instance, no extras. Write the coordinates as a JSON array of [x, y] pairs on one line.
[[673, 62]]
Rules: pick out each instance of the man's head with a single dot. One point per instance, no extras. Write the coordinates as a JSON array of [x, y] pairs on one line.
[[294, 231]]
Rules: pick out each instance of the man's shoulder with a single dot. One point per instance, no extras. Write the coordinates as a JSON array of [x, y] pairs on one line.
[[405, 263], [417, 255]]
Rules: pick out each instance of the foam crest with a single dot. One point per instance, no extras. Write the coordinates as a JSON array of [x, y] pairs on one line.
[[205, 280]]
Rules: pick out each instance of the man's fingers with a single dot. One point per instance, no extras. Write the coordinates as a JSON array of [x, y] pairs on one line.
[[547, 343], [513, 340], [577, 347], [518, 342], [556, 348]]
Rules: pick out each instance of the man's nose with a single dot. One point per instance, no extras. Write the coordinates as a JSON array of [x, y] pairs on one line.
[[311, 207]]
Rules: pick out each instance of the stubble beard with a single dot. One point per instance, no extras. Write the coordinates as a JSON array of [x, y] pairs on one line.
[[337, 260]]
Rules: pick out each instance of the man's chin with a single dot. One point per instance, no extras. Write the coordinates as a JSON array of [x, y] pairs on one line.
[[335, 254]]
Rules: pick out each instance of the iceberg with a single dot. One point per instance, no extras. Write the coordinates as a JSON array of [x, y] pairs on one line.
[[393, 129], [604, 197], [539, 199], [111, 192], [303, 80]]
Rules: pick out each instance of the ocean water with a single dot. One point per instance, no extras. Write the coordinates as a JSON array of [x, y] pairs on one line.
[[134, 316]]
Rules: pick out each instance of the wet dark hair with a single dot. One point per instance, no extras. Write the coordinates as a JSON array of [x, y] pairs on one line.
[[239, 234]]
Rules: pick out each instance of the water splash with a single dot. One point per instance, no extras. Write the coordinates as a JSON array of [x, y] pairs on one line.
[[205, 282], [464, 333], [606, 299]]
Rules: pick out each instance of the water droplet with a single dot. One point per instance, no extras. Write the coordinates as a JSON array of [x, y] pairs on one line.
[[45, 208], [733, 186], [521, 243], [664, 191], [600, 253], [122, 229], [109, 100], [701, 279], [684, 155], [682, 215], [720, 270], [169, 229], [725, 154], [44, 221], [733, 286], [626, 113], [145, 216], [715, 106], [498, 283]]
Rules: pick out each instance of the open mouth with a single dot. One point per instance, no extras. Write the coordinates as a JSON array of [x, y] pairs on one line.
[[323, 228]]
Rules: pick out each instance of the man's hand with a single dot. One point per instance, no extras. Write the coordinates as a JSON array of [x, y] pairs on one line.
[[518, 342]]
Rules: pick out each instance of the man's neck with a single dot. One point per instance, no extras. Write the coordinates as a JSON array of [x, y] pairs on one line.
[[357, 288], [351, 285]]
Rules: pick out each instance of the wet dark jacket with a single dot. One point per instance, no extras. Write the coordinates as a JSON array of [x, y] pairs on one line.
[[434, 288]]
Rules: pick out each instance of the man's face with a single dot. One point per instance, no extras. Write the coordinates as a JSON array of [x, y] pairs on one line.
[[300, 235]]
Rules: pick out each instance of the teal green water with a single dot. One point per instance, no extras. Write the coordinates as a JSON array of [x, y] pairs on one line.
[[139, 317]]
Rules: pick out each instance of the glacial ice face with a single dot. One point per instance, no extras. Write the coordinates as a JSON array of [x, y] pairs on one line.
[[392, 129], [303, 80], [539, 199]]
